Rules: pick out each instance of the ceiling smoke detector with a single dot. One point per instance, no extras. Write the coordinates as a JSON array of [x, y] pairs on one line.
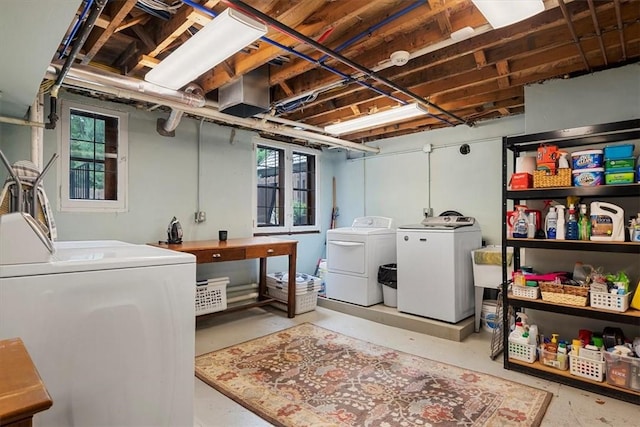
[[399, 58]]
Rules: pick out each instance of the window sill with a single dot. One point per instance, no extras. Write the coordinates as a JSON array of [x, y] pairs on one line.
[[286, 233]]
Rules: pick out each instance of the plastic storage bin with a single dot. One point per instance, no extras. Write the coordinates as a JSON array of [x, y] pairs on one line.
[[530, 292], [556, 360], [623, 371], [608, 301], [524, 352], [586, 368], [211, 295]]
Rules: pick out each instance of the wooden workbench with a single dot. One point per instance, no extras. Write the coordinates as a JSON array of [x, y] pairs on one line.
[[22, 392], [243, 249]]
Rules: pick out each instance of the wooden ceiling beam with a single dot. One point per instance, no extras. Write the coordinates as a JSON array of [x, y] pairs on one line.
[[378, 49], [620, 28], [572, 30], [596, 26], [549, 39], [337, 15], [98, 37]]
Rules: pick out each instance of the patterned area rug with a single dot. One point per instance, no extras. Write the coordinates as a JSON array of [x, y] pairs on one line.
[[310, 376]]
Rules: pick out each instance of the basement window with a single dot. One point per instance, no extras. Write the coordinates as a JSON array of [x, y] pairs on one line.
[[285, 191], [93, 158]]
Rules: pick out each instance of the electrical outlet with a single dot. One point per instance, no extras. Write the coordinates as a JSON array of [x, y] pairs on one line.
[[427, 212], [200, 216]]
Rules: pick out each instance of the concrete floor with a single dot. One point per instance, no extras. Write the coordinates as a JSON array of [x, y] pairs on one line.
[[569, 406]]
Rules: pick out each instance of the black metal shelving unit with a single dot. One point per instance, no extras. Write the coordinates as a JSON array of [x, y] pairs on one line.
[[577, 137]]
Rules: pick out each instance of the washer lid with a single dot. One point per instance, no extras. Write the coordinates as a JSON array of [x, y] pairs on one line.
[[73, 257]]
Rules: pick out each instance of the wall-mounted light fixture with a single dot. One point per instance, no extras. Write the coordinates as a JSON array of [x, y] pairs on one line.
[[226, 34], [377, 119], [501, 13]]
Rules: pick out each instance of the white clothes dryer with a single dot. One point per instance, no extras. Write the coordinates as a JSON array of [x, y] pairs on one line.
[[435, 277], [354, 255]]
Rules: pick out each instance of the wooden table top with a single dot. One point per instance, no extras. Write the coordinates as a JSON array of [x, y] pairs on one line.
[[22, 392], [194, 245]]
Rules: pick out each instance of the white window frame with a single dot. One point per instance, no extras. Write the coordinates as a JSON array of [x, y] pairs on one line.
[[288, 226], [67, 204]]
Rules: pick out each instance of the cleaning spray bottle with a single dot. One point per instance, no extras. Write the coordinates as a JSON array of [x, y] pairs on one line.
[[584, 224], [572, 224], [551, 223], [560, 227]]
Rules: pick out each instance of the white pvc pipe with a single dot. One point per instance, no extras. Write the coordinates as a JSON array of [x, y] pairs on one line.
[[83, 80], [21, 122], [37, 133]]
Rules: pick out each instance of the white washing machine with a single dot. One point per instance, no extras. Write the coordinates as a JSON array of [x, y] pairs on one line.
[[435, 277], [110, 327], [354, 255]]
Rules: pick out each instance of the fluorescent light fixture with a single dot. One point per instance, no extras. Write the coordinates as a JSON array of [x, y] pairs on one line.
[[501, 13], [225, 35], [377, 119]]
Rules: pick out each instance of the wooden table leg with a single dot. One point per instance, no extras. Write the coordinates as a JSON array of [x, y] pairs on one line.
[[262, 279], [291, 306]]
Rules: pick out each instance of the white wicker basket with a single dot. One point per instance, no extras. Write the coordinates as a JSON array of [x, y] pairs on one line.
[[211, 297], [609, 301], [524, 352], [304, 302], [586, 368], [530, 292]]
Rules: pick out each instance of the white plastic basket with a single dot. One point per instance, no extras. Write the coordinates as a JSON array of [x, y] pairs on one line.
[[609, 301], [211, 297], [531, 292], [524, 352], [586, 368], [304, 302]]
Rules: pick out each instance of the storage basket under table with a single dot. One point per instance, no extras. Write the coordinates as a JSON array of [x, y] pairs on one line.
[[609, 301], [529, 292], [586, 368], [564, 294], [211, 297], [547, 179], [307, 288], [306, 301], [524, 352]]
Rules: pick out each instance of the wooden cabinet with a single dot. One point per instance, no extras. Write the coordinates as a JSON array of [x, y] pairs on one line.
[[22, 392], [566, 139]]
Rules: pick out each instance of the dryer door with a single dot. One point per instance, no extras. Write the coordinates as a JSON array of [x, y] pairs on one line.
[[347, 254]]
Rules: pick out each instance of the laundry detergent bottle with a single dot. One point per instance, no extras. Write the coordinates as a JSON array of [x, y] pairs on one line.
[[607, 222]]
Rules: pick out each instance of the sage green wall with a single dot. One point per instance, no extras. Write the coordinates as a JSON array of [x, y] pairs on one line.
[[163, 183]]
